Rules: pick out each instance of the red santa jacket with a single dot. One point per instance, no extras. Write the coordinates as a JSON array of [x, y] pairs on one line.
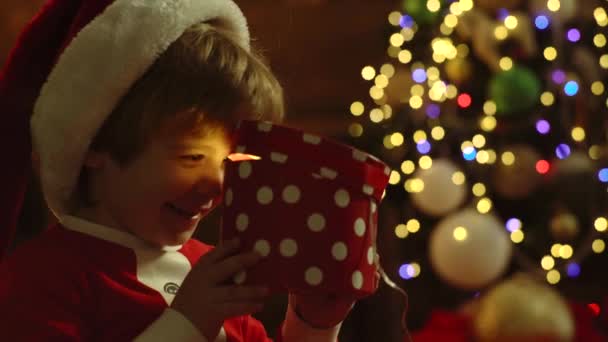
[[93, 283]]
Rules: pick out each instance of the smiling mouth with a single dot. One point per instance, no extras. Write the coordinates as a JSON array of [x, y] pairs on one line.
[[183, 212], [188, 214]]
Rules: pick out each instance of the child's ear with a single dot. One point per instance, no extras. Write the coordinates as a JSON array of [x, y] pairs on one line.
[[95, 160]]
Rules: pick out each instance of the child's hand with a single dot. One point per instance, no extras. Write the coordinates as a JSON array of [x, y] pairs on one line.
[[321, 311], [207, 296]]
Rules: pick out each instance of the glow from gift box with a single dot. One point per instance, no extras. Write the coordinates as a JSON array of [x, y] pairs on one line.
[[236, 157]]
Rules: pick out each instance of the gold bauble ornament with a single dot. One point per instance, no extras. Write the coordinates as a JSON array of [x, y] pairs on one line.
[[564, 226], [522, 309]]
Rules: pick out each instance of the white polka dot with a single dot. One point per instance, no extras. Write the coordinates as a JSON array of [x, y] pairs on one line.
[[359, 227], [357, 279], [291, 194], [373, 206], [387, 170], [265, 195], [316, 222], [288, 248], [228, 197], [368, 189], [370, 255], [311, 139], [242, 221], [359, 155], [278, 157], [262, 247], [329, 173], [313, 276], [244, 169], [339, 250], [264, 126], [240, 277], [342, 198]]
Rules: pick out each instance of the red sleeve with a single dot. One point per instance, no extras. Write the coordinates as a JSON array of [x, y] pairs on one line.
[[39, 304]]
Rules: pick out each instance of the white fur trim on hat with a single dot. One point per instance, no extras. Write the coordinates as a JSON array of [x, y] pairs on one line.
[[97, 68]]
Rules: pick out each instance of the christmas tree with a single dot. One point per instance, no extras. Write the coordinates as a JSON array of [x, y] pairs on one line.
[[494, 118]]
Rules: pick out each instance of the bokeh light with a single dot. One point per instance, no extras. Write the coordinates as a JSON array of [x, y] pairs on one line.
[[543, 126], [513, 224], [571, 88], [541, 22], [573, 35], [542, 166], [562, 151], [573, 270]]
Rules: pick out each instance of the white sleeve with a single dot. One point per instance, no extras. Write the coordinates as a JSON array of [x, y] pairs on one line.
[[171, 326], [296, 330]]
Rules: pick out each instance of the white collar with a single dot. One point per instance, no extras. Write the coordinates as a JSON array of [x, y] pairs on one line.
[[109, 234]]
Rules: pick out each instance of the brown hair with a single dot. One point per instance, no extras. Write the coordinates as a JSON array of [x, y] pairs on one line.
[[203, 77]]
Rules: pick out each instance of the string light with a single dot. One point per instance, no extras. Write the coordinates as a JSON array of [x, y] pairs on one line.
[[513, 224], [355, 130], [357, 108], [553, 277], [517, 236], [413, 225], [368, 73], [479, 189], [598, 246], [394, 178], [408, 167], [430, 90], [547, 262], [401, 231], [600, 224], [541, 22]]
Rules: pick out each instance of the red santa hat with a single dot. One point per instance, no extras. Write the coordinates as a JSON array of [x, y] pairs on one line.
[[69, 69]]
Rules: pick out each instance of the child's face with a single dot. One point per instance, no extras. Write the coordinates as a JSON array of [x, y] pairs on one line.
[[162, 194]]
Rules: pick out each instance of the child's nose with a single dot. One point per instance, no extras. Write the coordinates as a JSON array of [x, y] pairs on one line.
[[211, 182]]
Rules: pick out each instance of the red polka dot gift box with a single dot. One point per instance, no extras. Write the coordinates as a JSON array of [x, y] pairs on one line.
[[308, 205]]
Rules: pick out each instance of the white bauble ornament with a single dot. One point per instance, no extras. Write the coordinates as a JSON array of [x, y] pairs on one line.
[[440, 194], [469, 250]]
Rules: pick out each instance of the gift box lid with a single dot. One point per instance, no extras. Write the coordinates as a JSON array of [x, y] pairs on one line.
[[320, 157]]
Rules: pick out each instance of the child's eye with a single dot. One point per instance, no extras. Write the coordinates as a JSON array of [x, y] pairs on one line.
[[193, 157]]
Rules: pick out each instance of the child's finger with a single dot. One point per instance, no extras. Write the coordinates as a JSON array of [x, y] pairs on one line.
[[232, 309], [228, 267], [241, 293]]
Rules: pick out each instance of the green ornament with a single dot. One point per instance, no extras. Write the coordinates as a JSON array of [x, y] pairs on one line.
[[516, 90], [418, 10]]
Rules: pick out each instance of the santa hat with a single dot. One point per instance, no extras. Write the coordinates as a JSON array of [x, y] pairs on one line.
[[69, 69]]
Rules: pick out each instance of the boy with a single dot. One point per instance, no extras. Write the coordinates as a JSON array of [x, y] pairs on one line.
[[132, 127]]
